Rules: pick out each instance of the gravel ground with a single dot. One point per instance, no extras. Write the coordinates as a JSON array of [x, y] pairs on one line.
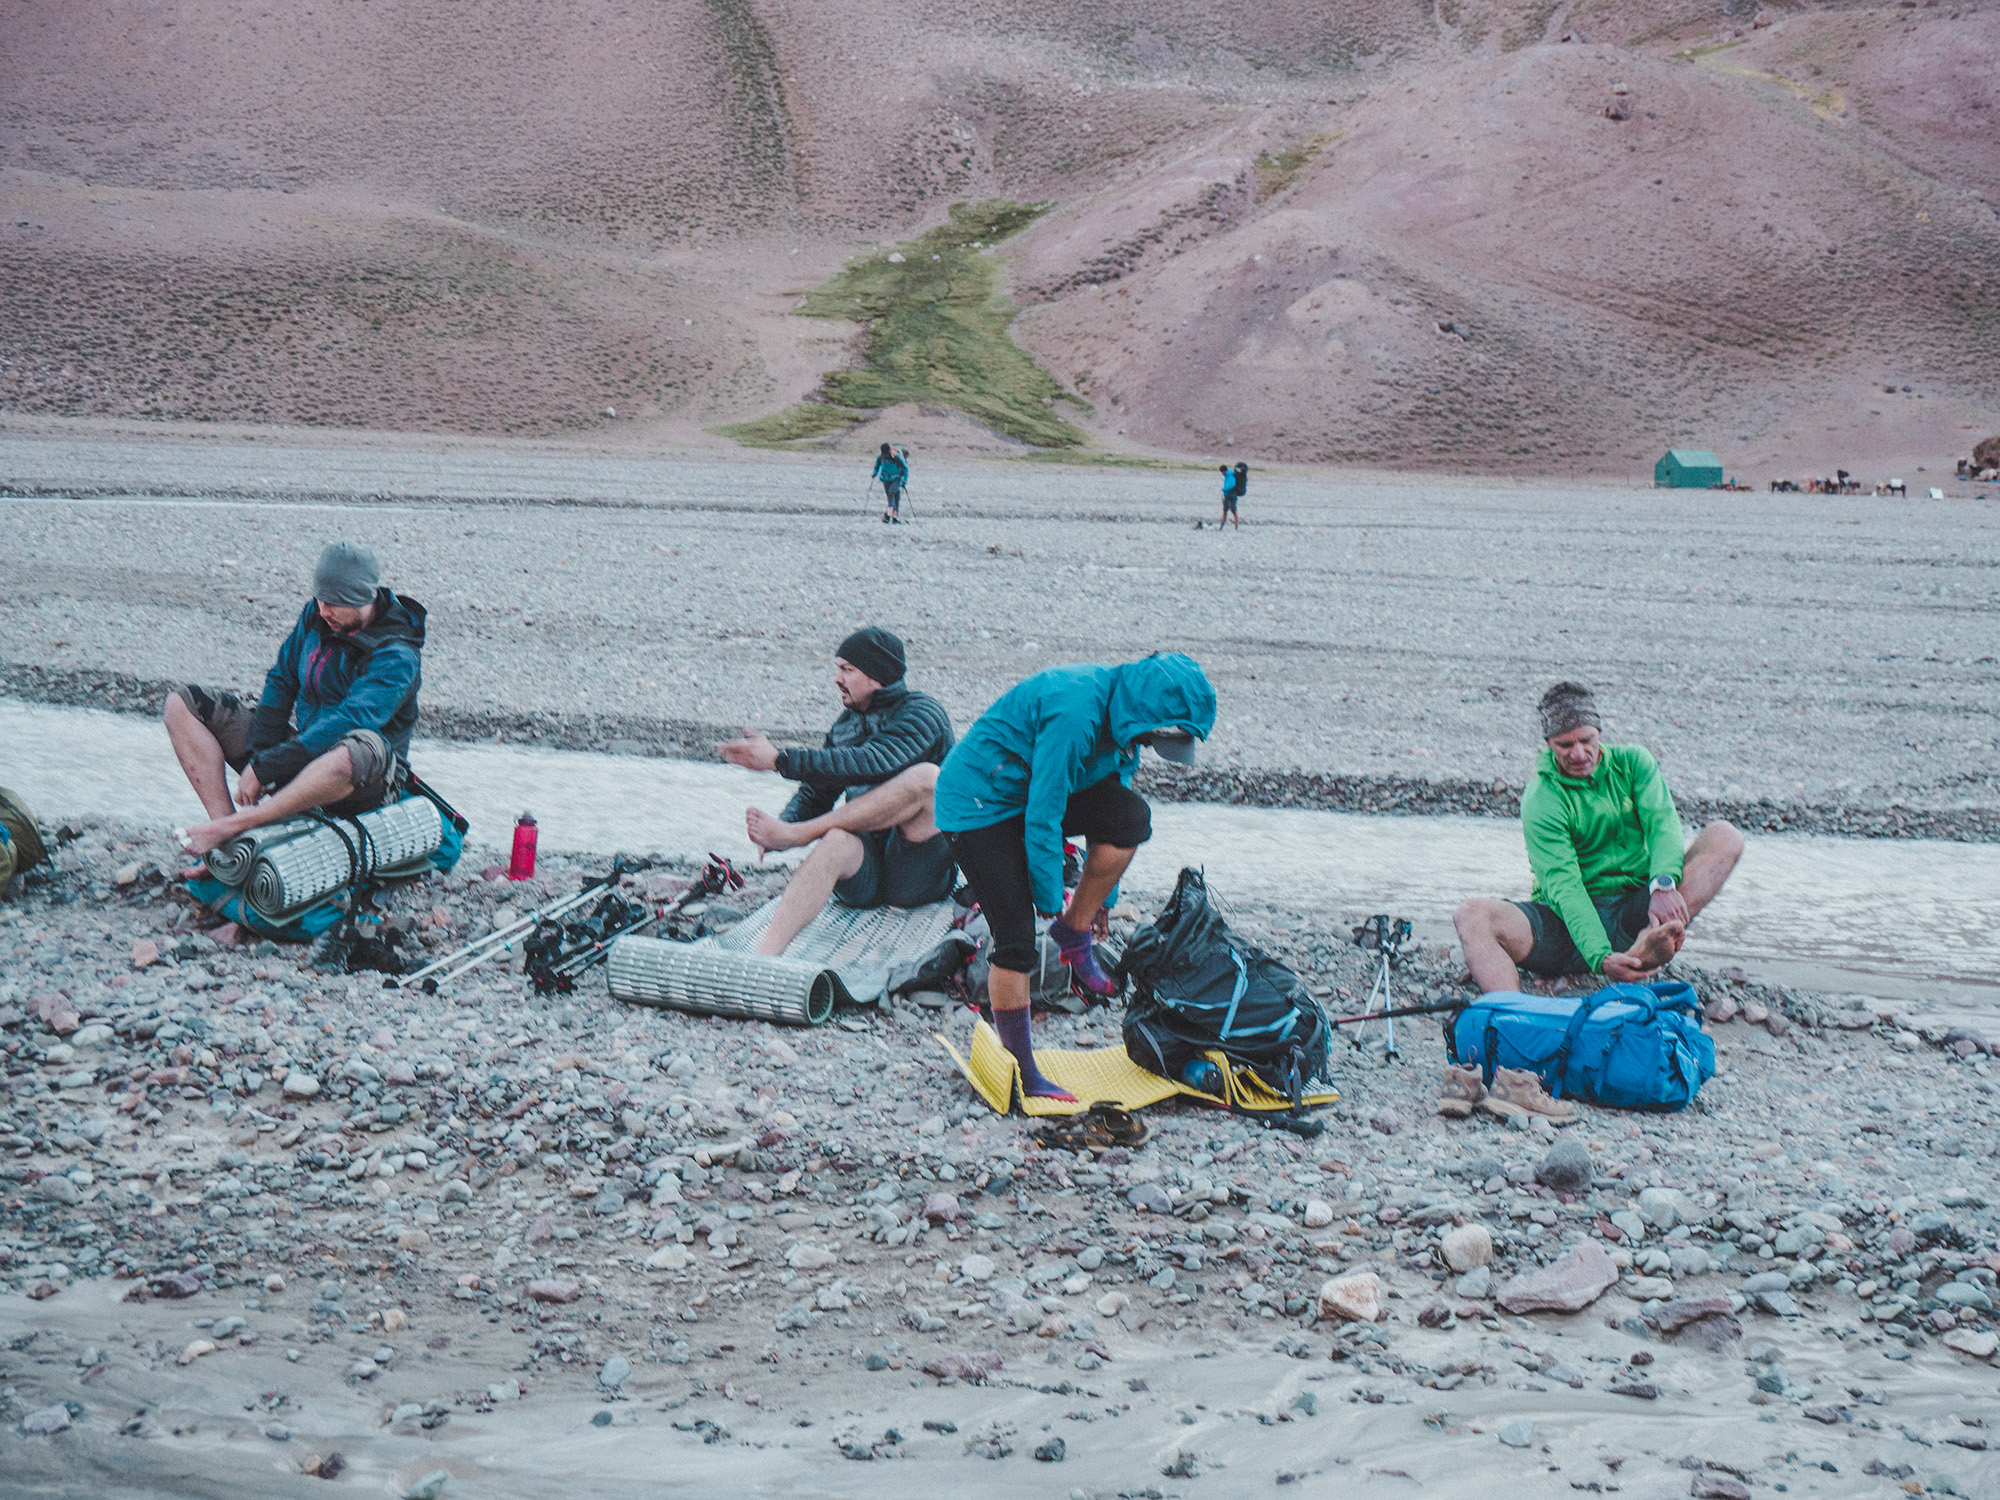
[[435, 1206], [1796, 661]]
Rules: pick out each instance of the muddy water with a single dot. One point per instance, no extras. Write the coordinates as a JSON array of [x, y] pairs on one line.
[[1907, 919]]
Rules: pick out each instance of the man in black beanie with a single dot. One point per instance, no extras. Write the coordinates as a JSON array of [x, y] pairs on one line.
[[881, 846]]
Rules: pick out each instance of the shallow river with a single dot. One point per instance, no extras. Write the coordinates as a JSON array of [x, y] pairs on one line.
[[1907, 919]]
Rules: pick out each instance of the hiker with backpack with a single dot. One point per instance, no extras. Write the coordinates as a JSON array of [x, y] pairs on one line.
[[1228, 498], [880, 847], [892, 468], [1055, 756], [333, 725], [1614, 890]]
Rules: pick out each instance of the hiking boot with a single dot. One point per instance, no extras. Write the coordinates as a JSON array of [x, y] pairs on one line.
[[1077, 950], [1523, 1090], [1460, 1093]]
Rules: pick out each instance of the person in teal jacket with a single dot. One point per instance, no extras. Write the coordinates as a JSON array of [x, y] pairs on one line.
[[1055, 756], [893, 470], [1614, 891]]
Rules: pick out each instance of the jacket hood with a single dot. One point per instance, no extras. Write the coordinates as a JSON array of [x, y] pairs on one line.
[[1164, 691], [397, 618]]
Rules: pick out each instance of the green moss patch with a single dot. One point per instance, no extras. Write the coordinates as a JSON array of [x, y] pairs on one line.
[[936, 333]]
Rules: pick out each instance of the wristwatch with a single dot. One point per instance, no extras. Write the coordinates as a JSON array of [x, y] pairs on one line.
[[1662, 883]]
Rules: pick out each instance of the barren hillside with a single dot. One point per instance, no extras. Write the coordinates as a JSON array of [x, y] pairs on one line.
[[590, 214]]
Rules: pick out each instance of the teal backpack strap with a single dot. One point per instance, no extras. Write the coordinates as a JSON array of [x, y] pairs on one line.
[[1575, 1029]]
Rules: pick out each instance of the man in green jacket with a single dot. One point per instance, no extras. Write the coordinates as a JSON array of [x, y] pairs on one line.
[[1614, 892]]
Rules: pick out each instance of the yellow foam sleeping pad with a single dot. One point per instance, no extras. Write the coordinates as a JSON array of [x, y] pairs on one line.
[[1103, 1075]]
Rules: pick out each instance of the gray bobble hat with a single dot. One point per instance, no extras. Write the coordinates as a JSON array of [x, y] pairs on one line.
[[347, 576]]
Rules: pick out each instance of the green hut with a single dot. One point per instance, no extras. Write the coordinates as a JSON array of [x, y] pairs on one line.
[[1687, 469]]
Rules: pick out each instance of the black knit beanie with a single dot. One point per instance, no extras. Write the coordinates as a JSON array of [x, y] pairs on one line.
[[875, 652]]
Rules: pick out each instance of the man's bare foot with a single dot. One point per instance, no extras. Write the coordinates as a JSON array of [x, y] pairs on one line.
[[769, 833], [202, 837], [1656, 945]]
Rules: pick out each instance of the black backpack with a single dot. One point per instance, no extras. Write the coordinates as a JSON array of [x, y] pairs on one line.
[[1197, 987]]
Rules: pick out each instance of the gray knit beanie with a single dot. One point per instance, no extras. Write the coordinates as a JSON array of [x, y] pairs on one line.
[[347, 576], [1567, 706]]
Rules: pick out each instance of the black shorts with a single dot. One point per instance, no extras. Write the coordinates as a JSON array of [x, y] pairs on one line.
[[895, 872], [994, 860], [1625, 916], [892, 494], [1229, 504]]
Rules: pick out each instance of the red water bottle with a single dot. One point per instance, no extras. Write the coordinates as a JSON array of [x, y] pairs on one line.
[[522, 865]]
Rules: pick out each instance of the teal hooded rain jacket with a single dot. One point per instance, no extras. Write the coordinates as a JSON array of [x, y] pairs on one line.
[[1057, 732]]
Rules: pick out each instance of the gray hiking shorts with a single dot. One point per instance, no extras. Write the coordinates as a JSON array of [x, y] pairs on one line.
[[895, 872], [228, 718]]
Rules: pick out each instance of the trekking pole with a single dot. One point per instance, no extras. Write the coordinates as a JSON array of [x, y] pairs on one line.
[[1386, 937], [1408, 1010], [480, 949], [471, 955], [717, 876]]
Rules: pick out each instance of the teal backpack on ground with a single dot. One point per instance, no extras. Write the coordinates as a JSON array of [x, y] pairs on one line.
[[1629, 1046], [229, 902]]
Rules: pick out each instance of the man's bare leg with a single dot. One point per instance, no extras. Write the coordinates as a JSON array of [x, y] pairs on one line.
[[200, 755], [1708, 864], [1495, 937], [838, 856], [328, 779], [1705, 869], [903, 801]]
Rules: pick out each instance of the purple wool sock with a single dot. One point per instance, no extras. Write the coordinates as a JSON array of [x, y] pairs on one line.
[[1081, 955], [1015, 1037]]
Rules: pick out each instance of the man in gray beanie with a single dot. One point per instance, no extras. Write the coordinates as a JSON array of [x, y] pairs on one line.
[[881, 846], [335, 718], [1614, 890]]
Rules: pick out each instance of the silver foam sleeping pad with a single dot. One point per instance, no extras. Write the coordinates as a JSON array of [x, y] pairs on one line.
[[715, 981], [844, 956], [291, 875], [232, 862]]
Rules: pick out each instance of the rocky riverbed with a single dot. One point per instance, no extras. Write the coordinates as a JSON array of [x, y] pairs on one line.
[[256, 1215]]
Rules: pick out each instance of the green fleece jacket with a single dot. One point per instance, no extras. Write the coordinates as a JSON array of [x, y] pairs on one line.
[[1597, 837]]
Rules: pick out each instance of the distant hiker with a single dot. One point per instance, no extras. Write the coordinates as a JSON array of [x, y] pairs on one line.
[[1228, 499], [892, 467], [881, 847], [1614, 891], [1055, 756], [335, 719]]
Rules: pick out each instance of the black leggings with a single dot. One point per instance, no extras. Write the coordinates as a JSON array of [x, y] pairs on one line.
[[994, 861]]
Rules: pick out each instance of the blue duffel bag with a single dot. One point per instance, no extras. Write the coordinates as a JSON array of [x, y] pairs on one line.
[[1630, 1046]]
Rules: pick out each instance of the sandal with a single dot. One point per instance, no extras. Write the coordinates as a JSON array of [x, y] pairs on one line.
[[1104, 1125], [1069, 1133], [1119, 1125]]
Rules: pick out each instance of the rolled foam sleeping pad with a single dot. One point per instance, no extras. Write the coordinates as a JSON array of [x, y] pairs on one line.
[[714, 981], [233, 860], [292, 875]]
